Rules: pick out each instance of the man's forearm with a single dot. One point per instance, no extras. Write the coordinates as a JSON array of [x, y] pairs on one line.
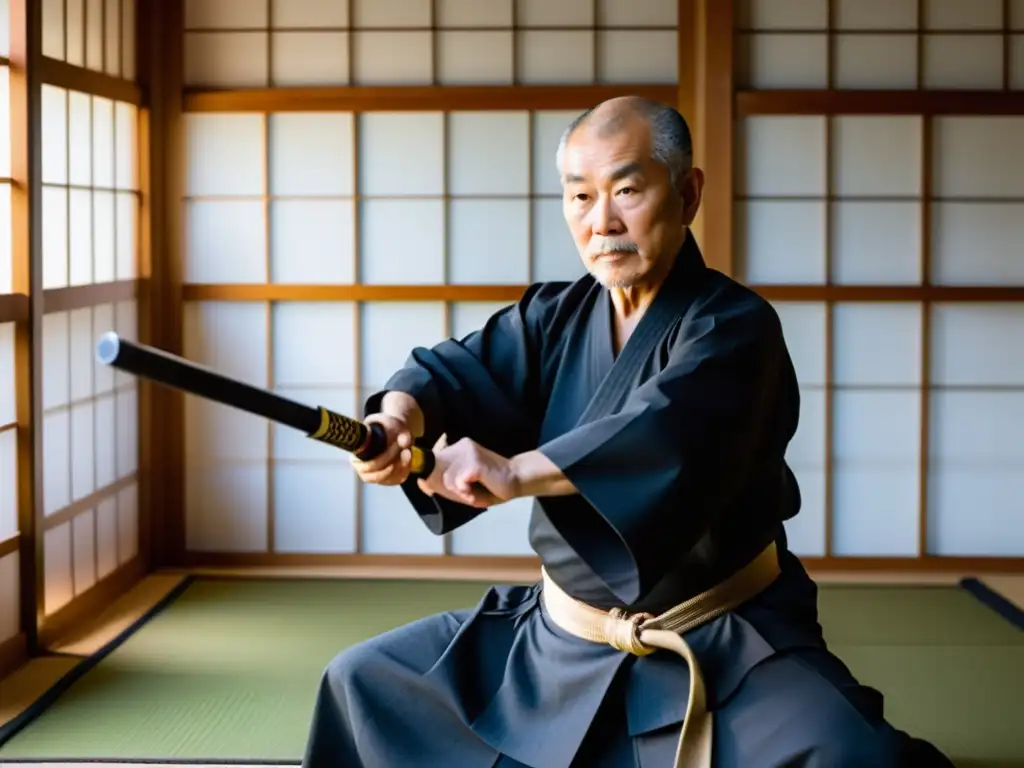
[[537, 475]]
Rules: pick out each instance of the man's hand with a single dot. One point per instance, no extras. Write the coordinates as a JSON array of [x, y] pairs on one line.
[[468, 473], [401, 418]]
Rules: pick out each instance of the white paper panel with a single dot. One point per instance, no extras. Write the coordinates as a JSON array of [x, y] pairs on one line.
[[226, 507], [225, 154], [779, 60], [977, 243], [55, 237], [5, 125], [83, 451], [781, 156], [81, 236], [961, 171], [474, 58], [806, 458], [311, 153], [958, 15], [392, 527], [1016, 14], [392, 58], [58, 578], [105, 431], [617, 62], [106, 537], [83, 542], [473, 13], [973, 345], [876, 344], [876, 464], [128, 39], [489, 153], [390, 331], [976, 477], [548, 127], [963, 61], [125, 145], [127, 404], [467, 317], [226, 59], [476, 257], [401, 153], [875, 14], [8, 483], [637, 13], [221, 14], [112, 37], [225, 241], [312, 241], [401, 242], [314, 506], [803, 326], [6, 261], [105, 229], [302, 333], [555, 255], [127, 523], [876, 243], [54, 134], [311, 14], [502, 531], [79, 139], [83, 353], [103, 147], [876, 156], [10, 596], [75, 15], [782, 14], [390, 14], [126, 218], [309, 58], [565, 13], [56, 360], [94, 34], [781, 241], [549, 57], [56, 461], [1016, 62], [8, 405], [875, 61], [53, 28]]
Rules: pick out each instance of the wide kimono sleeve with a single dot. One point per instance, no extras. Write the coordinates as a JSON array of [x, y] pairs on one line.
[[656, 471], [484, 387]]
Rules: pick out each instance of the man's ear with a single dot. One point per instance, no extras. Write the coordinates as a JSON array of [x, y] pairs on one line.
[[691, 188]]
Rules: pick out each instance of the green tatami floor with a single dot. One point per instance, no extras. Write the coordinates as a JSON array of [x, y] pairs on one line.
[[230, 668]]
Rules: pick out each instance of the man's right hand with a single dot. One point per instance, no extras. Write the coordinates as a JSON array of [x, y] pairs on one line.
[[400, 416]]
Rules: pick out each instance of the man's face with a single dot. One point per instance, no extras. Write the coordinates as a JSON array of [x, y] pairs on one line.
[[624, 214]]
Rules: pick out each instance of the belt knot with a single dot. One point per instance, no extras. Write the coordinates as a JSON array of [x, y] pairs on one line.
[[623, 631]]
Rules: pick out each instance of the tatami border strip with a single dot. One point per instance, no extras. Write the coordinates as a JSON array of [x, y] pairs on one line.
[[992, 599]]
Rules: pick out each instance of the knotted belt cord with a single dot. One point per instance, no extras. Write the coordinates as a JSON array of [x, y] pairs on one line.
[[642, 634]]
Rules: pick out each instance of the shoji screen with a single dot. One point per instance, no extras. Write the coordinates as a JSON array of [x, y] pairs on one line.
[[90, 255], [886, 228], [329, 230]]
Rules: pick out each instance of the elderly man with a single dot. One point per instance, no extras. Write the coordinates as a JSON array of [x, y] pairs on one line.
[[647, 408]]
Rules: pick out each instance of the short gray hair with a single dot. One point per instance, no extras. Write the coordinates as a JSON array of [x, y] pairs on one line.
[[671, 141]]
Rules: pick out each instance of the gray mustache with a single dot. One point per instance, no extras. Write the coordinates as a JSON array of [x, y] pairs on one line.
[[613, 246]]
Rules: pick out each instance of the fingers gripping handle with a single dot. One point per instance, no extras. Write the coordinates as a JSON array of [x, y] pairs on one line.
[[365, 440]]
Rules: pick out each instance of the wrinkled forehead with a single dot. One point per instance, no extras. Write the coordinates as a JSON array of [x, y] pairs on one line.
[[591, 156]]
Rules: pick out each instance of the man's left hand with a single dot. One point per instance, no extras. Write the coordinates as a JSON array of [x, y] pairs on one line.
[[470, 474]]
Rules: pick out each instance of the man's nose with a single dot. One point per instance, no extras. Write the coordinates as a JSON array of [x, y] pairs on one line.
[[605, 219]]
